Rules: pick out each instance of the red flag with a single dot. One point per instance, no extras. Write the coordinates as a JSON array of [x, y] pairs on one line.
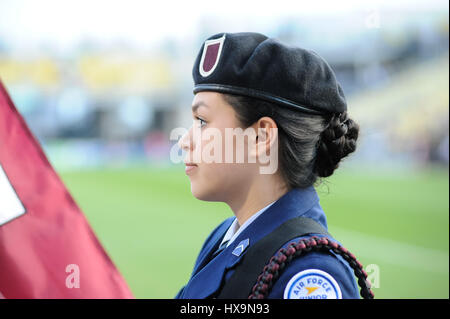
[[47, 248]]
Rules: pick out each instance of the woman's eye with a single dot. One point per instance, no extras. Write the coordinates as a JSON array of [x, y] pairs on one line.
[[202, 122]]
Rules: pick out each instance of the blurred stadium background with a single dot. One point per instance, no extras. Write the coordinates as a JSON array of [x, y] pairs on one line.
[[102, 84]]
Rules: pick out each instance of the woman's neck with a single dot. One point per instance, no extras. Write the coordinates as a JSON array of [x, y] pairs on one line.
[[258, 195]]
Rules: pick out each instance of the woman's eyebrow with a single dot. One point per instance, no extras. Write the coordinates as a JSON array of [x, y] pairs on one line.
[[197, 105]]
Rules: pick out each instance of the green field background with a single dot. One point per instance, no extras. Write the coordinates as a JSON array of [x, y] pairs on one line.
[[153, 228]]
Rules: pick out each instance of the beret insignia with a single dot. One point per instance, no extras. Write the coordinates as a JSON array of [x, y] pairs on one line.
[[210, 56]]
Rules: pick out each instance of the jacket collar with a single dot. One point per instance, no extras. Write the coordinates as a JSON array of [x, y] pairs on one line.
[[211, 245], [208, 279]]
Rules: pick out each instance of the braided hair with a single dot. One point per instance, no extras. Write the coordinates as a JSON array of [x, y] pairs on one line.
[[337, 141]]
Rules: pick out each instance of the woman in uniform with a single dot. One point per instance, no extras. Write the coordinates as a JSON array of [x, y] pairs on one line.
[[286, 102]]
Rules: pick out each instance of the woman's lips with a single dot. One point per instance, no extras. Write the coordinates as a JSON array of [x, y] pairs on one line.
[[190, 167]]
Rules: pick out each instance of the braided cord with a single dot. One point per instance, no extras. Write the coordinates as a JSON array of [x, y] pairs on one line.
[[284, 256]]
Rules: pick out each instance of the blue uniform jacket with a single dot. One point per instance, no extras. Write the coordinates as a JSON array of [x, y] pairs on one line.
[[208, 276]]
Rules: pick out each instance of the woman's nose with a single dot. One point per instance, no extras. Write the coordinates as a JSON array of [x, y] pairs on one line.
[[185, 142]]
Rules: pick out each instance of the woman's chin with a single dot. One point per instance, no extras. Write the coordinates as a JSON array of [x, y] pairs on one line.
[[203, 193]]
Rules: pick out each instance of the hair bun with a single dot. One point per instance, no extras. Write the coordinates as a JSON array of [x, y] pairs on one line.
[[336, 142]]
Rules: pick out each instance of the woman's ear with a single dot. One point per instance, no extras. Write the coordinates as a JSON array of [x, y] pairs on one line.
[[266, 138]]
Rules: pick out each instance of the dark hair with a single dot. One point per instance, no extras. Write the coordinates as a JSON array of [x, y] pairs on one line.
[[310, 146]]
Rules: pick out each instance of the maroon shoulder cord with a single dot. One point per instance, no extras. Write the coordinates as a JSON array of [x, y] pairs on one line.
[[284, 256]]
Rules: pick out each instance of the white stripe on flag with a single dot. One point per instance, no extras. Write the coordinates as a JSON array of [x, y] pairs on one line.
[[10, 204]]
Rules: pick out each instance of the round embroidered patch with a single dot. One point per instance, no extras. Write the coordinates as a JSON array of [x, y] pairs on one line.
[[312, 284]]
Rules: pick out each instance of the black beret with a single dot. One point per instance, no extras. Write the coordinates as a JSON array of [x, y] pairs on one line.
[[254, 65]]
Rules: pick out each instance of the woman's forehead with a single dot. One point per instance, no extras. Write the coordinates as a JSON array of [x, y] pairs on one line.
[[209, 101]]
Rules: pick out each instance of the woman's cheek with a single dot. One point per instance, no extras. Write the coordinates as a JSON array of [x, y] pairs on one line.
[[209, 182]]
